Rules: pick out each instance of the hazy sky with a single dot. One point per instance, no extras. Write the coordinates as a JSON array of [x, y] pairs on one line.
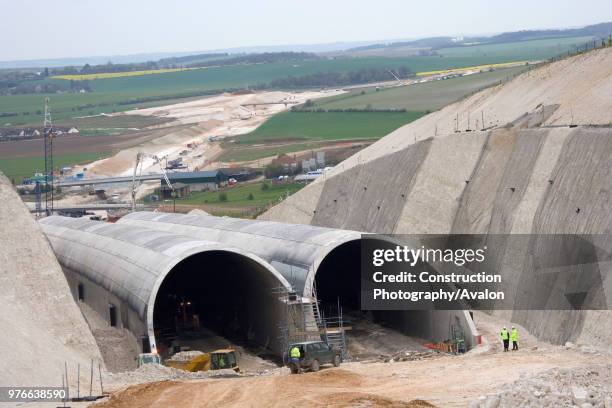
[[33, 29]]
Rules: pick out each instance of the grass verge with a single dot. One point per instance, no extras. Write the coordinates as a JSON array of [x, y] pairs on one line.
[[16, 169]]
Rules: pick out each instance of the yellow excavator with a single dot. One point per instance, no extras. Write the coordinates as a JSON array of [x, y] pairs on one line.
[[215, 360]]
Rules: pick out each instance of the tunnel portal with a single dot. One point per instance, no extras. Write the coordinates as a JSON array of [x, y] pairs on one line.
[[215, 292]]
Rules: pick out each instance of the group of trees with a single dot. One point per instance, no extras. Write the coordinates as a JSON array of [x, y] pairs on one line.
[[263, 58], [190, 61], [333, 79], [28, 87], [187, 59], [105, 68], [30, 82]]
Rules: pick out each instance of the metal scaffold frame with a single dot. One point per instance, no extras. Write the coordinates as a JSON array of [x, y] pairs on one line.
[[304, 321]]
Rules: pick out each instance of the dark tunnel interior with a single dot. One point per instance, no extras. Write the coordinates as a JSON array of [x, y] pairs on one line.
[[338, 283], [338, 278], [219, 292]]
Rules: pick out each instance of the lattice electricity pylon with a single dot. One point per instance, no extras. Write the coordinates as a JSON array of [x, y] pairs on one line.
[[48, 140]]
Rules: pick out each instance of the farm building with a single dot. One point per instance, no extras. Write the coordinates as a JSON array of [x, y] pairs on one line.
[[199, 180]]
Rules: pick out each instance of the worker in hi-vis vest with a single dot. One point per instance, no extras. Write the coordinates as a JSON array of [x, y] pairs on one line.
[[514, 338], [505, 336], [294, 356]]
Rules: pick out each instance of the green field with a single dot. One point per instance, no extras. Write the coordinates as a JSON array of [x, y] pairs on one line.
[[238, 202], [243, 152], [20, 167], [427, 96], [289, 132], [295, 126], [534, 49], [123, 93], [238, 195]]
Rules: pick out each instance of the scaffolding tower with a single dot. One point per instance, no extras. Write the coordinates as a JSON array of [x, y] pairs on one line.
[[334, 331], [304, 321]]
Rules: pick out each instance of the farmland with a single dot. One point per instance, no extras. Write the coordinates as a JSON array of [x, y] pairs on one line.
[[290, 132], [106, 75], [119, 93], [533, 50], [292, 126], [239, 152], [17, 168], [418, 97], [21, 159], [283, 133], [287, 132], [242, 199]]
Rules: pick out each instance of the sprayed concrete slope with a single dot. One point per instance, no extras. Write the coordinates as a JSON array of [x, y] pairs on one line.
[[40, 325], [528, 174]]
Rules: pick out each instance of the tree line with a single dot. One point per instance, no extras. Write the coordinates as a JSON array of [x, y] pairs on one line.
[[333, 79], [191, 61]]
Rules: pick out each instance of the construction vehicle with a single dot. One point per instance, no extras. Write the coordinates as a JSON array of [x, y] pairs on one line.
[[215, 360], [148, 358], [313, 354], [139, 159]]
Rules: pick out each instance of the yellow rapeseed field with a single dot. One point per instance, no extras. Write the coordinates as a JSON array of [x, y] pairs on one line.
[[479, 67], [104, 75]]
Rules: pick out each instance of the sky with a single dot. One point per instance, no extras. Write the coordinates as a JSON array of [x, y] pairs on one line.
[[34, 29]]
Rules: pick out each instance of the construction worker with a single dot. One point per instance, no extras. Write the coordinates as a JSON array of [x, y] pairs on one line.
[[514, 338], [505, 336], [294, 356]]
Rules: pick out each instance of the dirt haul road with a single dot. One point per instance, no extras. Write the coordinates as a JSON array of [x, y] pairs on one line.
[[443, 381], [448, 381], [194, 122]]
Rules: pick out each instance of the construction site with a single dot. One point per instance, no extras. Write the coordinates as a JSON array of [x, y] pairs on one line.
[[163, 309]]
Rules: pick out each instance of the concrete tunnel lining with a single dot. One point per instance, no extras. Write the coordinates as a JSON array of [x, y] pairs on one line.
[[132, 264], [294, 250], [274, 278], [288, 247]]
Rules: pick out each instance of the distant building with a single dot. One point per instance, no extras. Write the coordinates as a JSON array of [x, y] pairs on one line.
[[199, 180], [181, 190], [320, 159], [288, 163], [308, 165]]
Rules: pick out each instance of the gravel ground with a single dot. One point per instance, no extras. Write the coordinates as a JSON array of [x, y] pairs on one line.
[[584, 387], [156, 372]]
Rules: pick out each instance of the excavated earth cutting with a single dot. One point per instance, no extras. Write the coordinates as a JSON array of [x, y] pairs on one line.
[[539, 164], [42, 327]]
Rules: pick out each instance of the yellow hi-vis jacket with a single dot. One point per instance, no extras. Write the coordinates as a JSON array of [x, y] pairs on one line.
[[514, 335], [504, 334], [295, 352]]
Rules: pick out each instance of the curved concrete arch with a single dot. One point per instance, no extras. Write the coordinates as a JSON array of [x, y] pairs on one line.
[[295, 250], [132, 263], [310, 250]]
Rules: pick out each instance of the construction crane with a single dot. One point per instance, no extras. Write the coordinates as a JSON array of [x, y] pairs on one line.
[[399, 81], [138, 169], [48, 135]]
